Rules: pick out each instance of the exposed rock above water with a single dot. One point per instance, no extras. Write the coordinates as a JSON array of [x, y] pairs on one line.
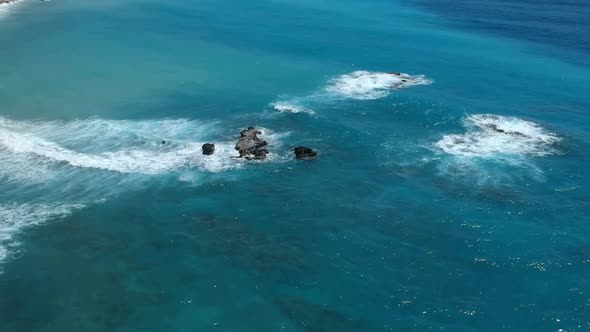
[[250, 146], [208, 149], [305, 153]]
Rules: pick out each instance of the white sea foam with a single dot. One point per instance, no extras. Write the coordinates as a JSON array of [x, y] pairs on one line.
[[119, 146], [60, 161], [491, 136], [123, 161], [16, 217], [101, 135], [5, 8], [286, 107], [365, 85], [36, 148]]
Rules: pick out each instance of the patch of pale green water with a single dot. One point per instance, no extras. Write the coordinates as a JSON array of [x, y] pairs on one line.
[[103, 60]]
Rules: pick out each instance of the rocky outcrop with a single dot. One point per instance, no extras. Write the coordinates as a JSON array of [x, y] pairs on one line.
[[208, 149], [305, 153], [495, 128], [250, 146]]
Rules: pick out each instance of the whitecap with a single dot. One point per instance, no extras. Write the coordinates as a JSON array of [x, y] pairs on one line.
[[286, 107], [491, 136], [365, 85]]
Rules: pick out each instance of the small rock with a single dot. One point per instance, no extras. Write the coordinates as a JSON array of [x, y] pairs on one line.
[[208, 149], [305, 153]]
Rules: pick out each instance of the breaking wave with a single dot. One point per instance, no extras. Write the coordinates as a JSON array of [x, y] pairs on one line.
[[286, 107], [489, 136], [149, 147], [365, 85]]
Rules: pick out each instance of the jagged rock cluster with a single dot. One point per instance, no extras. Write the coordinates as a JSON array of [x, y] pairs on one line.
[[252, 147]]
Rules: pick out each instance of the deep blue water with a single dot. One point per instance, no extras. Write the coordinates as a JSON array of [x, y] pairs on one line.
[[561, 27], [457, 202]]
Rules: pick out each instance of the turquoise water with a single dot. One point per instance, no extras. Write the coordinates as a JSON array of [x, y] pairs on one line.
[[418, 215]]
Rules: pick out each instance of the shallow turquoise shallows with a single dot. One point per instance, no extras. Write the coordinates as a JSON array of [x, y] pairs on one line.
[[451, 191]]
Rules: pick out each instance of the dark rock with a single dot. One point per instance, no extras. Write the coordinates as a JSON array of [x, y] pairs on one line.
[[250, 146], [458, 140], [495, 128], [259, 154], [208, 149], [305, 153], [502, 131]]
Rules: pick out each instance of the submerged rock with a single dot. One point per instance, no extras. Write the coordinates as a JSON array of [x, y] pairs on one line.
[[250, 146], [495, 128], [208, 149], [305, 153]]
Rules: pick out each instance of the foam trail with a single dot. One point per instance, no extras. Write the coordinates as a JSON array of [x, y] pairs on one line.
[[36, 150], [16, 217], [365, 85], [111, 145], [491, 136], [57, 161], [124, 161], [97, 134]]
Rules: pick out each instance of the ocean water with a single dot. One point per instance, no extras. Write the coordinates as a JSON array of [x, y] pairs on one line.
[[454, 200]]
